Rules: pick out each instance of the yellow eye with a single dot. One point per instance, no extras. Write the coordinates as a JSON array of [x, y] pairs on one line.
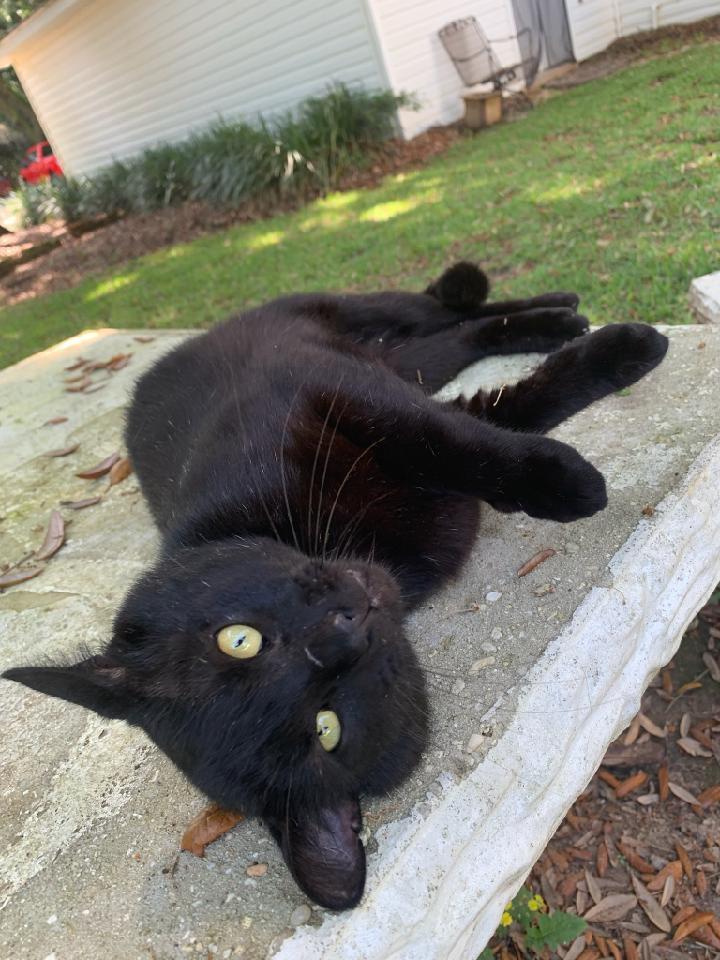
[[328, 729], [240, 641]]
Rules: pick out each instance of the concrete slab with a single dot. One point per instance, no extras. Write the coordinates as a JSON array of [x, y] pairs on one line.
[[705, 297], [530, 679]]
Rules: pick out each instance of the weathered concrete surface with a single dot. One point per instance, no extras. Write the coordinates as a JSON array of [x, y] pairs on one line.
[[705, 297], [536, 679]]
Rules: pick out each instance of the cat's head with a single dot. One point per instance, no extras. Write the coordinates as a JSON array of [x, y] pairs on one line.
[[281, 686]]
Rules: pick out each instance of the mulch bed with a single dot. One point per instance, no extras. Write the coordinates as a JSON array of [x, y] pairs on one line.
[[638, 855], [78, 257]]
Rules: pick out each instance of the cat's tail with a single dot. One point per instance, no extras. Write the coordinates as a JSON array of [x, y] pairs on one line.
[[462, 287]]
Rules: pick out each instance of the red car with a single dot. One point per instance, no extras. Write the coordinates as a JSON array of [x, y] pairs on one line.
[[39, 162]]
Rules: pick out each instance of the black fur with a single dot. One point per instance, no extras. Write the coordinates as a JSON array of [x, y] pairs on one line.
[[305, 484]]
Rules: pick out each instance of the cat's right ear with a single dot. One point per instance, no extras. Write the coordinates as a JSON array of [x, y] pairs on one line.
[[98, 683]]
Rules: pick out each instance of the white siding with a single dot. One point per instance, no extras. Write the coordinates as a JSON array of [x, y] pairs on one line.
[[109, 77], [596, 23], [416, 61]]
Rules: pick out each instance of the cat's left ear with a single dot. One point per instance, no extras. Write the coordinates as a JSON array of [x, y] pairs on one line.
[[98, 683]]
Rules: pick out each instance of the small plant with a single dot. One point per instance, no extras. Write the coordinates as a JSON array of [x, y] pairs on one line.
[[532, 928]]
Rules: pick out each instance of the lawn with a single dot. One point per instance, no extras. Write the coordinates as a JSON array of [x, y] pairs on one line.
[[610, 189]]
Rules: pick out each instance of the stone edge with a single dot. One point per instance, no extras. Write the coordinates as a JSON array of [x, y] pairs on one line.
[[446, 879]]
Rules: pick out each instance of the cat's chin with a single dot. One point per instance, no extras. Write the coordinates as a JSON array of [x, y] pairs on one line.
[[324, 852]]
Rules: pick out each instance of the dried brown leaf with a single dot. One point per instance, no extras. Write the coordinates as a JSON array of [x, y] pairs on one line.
[[674, 869], [63, 451], [691, 746], [685, 724], [120, 470], [634, 859], [256, 870], [80, 504], [712, 665], [54, 420], [667, 682], [668, 891], [632, 732], [649, 904], [207, 826], [535, 561], [652, 728], [143, 338], [710, 796], [632, 783], [80, 386], [692, 924], [100, 469], [601, 859], [630, 948], [94, 387], [593, 887], [687, 687], [54, 538], [663, 778], [13, 577], [80, 362], [684, 859], [682, 793], [614, 907]]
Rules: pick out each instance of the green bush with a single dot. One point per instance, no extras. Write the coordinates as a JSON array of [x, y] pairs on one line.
[[301, 152]]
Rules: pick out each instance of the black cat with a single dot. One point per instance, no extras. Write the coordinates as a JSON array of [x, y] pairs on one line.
[[309, 492]]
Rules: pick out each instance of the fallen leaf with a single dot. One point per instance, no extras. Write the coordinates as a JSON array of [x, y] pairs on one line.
[[647, 799], [601, 859], [80, 504], [79, 387], [144, 339], [685, 724], [667, 682], [712, 665], [634, 859], [54, 420], [609, 778], [630, 948], [94, 387], [710, 796], [636, 755], [535, 561], [691, 925], [632, 783], [682, 915], [62, 451], [614, 907], [647, 510], [682, 793], [652, 908], [684, 859], [674, 869], [120, 470], [100, 469], [13, 577], [80, 362], [687, 687], [208, 825], [652, 728], [663, 777], [256, 870], [693, 747], [668, 891], [54, 538], [593, 887]]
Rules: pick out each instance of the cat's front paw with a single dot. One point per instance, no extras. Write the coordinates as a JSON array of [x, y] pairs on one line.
[[553, 482], [622, 353]]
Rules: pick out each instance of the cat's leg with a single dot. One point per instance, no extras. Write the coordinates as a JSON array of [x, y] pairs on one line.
[[582, 372], [431, 446], [434, 360], [464, 287]]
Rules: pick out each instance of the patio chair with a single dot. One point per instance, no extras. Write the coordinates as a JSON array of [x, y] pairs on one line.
[[475, 60]]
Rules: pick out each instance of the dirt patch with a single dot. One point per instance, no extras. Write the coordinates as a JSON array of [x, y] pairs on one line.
[[79, 257], [648, 824], [640, 46]]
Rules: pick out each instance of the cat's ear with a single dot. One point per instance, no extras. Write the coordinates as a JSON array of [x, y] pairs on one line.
[[324, 852], [98, 683]]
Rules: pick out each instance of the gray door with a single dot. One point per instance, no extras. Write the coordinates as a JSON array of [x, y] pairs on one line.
[[543, 34]]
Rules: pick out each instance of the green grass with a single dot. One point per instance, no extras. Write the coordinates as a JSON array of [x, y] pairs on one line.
[[610, 189]]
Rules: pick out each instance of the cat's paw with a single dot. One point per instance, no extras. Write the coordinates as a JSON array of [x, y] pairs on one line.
[[622, 353], [553, 482]]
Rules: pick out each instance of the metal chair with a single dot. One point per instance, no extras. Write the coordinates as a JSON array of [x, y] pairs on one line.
[[475, 60]]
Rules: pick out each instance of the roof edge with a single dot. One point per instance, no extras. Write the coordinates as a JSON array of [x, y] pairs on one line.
[[38, 21]]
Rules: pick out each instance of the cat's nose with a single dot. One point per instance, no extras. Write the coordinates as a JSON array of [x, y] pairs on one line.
[[342, 645]]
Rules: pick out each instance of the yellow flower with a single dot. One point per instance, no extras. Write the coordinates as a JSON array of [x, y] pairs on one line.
[[533, 905], [508, 906], [506, 919]]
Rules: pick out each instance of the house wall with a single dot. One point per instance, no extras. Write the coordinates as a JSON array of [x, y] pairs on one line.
[[110, 78], [594, 24], [416, 61]]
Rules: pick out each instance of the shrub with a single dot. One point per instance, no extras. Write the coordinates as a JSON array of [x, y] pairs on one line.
[[300, 152]]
